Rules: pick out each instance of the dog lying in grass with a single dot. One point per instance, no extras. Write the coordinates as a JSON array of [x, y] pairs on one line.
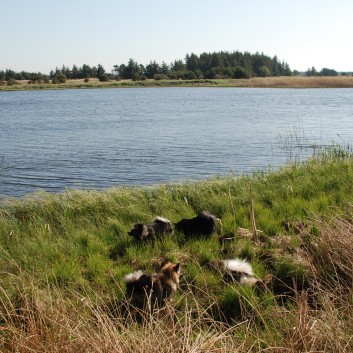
[[160, 226], [153, 288], [203, 224], [239, 271]]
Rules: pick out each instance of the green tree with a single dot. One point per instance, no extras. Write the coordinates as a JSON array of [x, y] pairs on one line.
[[152, 69], [164, 69], [328, 72], [86, 71], [75, 72], [192, 62], [100, 71], [178, 65], [131, 71], [10, 75], [311, 72]]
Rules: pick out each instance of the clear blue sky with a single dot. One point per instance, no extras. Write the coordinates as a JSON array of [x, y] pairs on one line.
[[38, 35]]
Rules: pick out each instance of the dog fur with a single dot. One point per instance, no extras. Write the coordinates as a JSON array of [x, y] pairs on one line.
[[204, 223], [155, 288], [239, 271], [160, 226]]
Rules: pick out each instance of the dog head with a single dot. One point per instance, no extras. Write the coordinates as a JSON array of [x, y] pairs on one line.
[[172, 271]]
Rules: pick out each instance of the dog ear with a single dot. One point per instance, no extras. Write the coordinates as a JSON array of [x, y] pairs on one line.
[[176, 267]]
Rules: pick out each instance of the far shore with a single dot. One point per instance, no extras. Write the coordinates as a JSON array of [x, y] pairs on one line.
[[256, 82]]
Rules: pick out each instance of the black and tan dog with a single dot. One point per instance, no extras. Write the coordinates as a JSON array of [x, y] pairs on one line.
[[153, 288], [160, 226], [203, 224]]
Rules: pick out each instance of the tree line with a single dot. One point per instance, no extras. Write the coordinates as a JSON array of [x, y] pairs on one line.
[[207, 65], [324, 72], [214, 65], [59, 75]]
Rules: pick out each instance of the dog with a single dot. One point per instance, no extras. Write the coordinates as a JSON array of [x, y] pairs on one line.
[[160, 226], [238, 271], [154, 289], [204, 223]]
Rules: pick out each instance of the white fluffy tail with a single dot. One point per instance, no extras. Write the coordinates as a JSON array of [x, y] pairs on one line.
[[161, 219], [133, 277], [238, 265]]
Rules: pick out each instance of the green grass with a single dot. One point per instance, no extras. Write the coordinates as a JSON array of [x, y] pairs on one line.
[[62, 248]]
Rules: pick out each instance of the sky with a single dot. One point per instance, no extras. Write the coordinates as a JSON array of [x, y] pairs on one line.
[[40, 35]]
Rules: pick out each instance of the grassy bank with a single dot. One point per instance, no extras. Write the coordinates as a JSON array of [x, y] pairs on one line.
[[63, 258], [264, 82]]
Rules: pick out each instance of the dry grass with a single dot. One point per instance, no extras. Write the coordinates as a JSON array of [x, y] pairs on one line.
[[295, 82], [79, 325], [327, 323]]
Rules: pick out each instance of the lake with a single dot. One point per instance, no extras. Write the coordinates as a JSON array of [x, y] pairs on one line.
[[97, 138]]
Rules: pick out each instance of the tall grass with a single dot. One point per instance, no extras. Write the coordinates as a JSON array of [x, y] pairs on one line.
[[296, 82], [63, 258]]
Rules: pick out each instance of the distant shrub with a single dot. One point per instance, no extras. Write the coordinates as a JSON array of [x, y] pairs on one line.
[[138, 76], [264, 71], [173, 75], [86, 79], [215, 73], [240, 72], [58, 78], [159, 77], [11, 82], [189, 75], [328, 72], [38, 78], [104, 78]]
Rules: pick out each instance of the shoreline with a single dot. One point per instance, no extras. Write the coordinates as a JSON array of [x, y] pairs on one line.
[[256, 82]]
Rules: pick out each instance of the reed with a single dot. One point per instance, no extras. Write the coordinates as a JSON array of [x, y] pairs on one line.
[[295, 82]]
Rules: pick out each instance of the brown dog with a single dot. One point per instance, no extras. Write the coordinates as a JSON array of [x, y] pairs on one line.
[[153, 288]]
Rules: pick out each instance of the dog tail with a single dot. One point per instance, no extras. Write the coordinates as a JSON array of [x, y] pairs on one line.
[[240, 271], [161, 220], [238, 265], [133, 277]]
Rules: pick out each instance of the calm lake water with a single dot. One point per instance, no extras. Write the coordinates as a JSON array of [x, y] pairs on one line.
[[97, 138]]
